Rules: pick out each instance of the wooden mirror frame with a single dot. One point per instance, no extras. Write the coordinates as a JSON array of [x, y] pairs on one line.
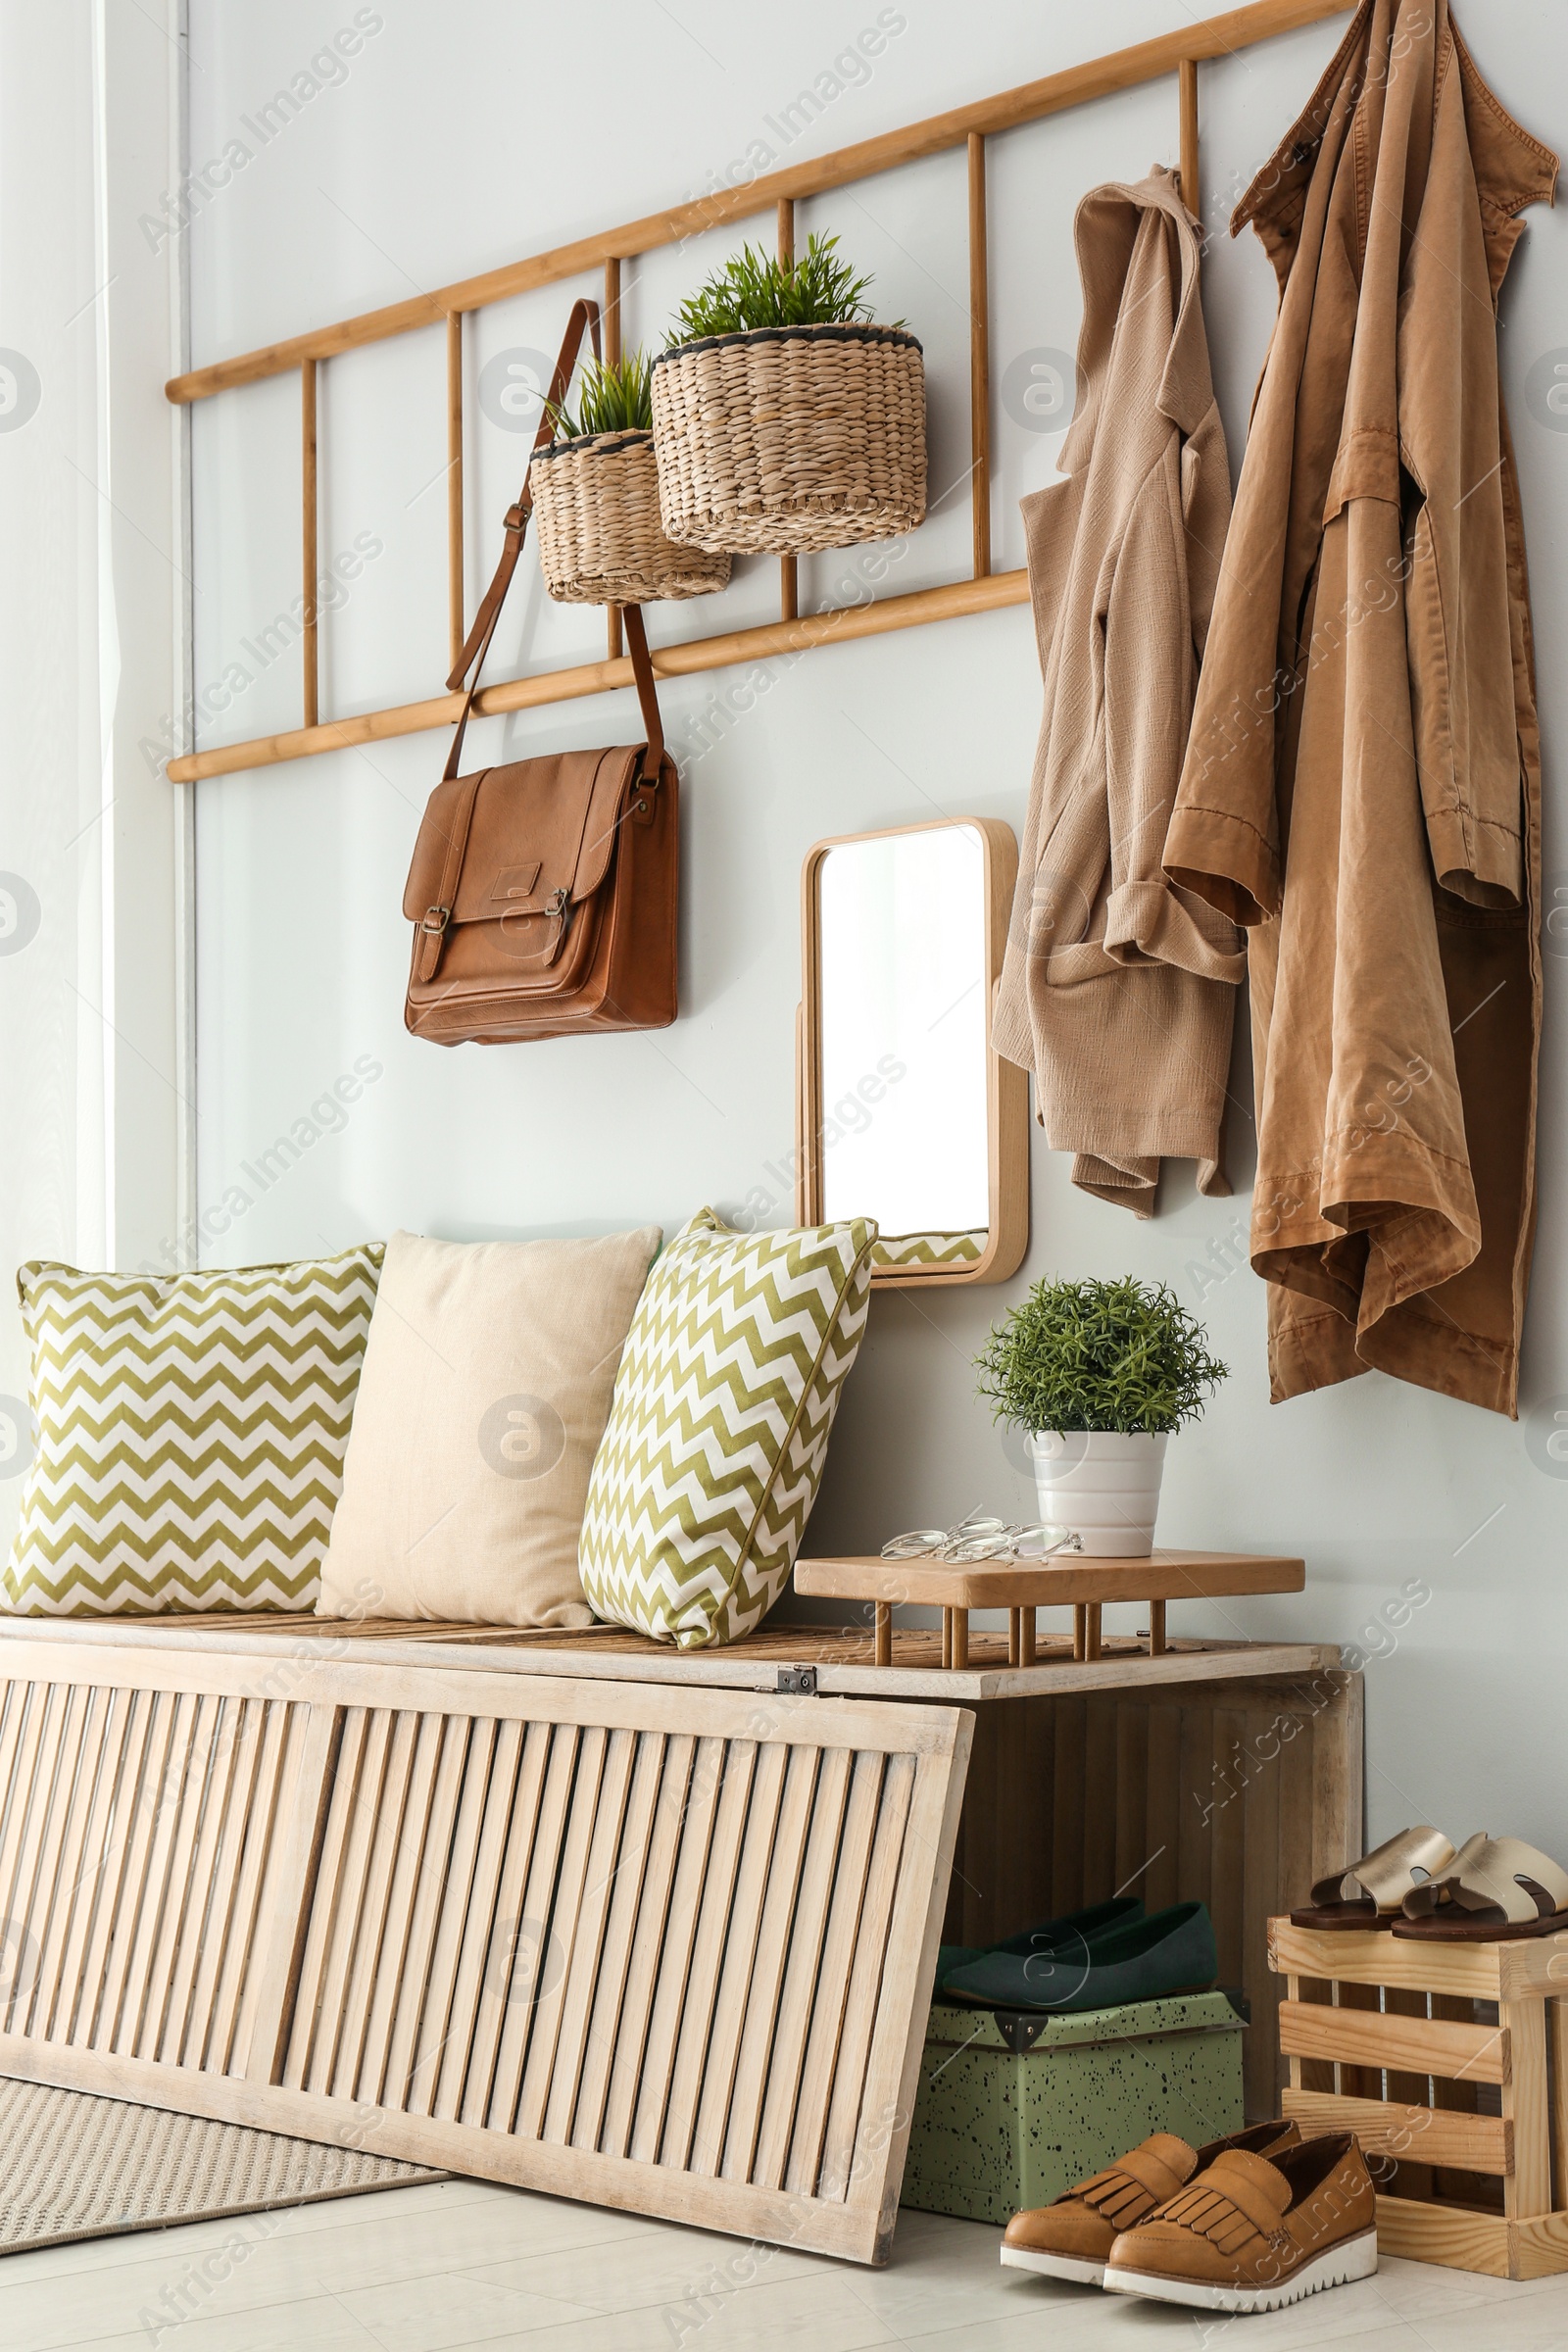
[[1007, 1086]]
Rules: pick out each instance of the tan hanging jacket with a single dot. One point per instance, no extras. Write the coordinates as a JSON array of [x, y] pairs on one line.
[[1362, 787], [1118, 990]]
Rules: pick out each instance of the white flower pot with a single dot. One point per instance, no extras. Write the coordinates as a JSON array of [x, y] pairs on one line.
[[1103, 1487]]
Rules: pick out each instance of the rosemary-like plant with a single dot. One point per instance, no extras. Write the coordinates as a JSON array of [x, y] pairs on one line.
[[1099, 1355], [614, 397], [757, 289]]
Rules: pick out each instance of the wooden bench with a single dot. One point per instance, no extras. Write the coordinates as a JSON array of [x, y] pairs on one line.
[[1229, 1773]]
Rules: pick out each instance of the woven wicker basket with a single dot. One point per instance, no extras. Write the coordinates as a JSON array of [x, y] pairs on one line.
[[595, 512], [791, 438]]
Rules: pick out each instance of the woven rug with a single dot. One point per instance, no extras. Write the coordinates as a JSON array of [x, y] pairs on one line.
[[73, 2166]]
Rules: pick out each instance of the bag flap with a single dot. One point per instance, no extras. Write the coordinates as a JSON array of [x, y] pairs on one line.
[[423, 890], [541, 826]]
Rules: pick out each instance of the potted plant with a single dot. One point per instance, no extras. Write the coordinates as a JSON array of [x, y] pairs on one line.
[[596, 499], [1100, 1374], [784, 419]]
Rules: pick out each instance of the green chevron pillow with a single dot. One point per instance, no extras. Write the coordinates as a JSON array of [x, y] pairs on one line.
[[191, 1431], [727, 1388]]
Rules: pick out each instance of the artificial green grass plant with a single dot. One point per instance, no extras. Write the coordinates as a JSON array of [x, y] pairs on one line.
[[1121, 1355], [614, 397], [756, 289]]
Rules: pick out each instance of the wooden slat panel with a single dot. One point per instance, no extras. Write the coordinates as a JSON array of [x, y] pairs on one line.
[[1100, 1879], [249, 1733], [36, 1765], [498, 1954], [437, 2018], [823, 2048], [1464, 2241], [349, 1836], [326, 1910], [233, 2002], [1481, 2052], [886, 2104], [387, 1835], [169, 1807], [610, 1991], [1481, 2143], [1381, 1958], [391, 1979], [803, 1969], [707, 1948], [1227, 1839], [674, 1960], [580, 1962], [658, 1882], [1261, 1900], [43, 1920], [767, 1971], [1527, 2191], [548, 1992], [1068, 1817], [60, 1974], [188, 1802], [144, 1800], [506, 1800], [522, 1958], [845, 2113], [1132, 1798], [435, 1901], [311, 1895], [739, 1953], [1164, 1813], [194, 1917]]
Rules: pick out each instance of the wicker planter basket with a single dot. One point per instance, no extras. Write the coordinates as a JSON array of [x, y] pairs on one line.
[[787, 439], [595, 512]]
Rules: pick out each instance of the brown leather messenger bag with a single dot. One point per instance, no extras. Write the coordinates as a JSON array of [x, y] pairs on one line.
[[543, 893]]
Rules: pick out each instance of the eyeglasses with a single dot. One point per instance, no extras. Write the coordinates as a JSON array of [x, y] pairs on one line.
[[980, 1538]]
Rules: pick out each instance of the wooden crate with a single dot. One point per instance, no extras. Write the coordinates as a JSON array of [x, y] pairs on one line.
[[1449, 2061], [1235, 1793]]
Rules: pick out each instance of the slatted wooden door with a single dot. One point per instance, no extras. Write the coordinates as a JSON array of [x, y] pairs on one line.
[[664, 1948]]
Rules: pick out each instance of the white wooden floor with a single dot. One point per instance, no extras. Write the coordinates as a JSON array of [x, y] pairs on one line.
[[455, 2263]]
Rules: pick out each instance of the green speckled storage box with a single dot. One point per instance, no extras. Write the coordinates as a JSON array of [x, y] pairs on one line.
[[1012, 2110]]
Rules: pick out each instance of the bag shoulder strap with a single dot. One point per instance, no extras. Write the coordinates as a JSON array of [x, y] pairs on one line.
[[431, 926], [584, 319]]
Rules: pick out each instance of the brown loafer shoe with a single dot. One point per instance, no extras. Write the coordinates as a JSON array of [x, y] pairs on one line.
[[1253, 2233], [1073, 2239]]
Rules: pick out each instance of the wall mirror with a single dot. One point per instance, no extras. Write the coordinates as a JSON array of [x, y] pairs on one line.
[[904, 1113]]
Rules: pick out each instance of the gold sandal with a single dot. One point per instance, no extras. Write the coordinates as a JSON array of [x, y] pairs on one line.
[[1495, 1891], [1372, 1892]]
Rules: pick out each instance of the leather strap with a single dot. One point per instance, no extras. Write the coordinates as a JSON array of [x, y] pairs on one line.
[[433, 923], [584, 319]]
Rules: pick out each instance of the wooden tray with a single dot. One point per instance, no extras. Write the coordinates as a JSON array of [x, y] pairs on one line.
[[1021, 1586]]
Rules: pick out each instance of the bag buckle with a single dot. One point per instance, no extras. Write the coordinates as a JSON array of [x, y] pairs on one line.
[[435, 919]]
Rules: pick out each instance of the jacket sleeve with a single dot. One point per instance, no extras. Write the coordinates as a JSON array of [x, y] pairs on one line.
[[1458, 619], [1148, 666]]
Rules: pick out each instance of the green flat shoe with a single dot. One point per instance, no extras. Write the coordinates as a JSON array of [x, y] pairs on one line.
[[1073, 1926], [1138, 1960]]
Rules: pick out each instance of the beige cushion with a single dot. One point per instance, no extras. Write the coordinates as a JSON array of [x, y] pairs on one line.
[[487, 1381]]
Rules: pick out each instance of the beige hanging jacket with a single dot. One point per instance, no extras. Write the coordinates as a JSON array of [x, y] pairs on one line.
[[1119, 989], [1362, 787]]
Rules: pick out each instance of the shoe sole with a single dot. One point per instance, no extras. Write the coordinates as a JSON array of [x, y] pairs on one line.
[[1054, 2265], [1355, 2258]]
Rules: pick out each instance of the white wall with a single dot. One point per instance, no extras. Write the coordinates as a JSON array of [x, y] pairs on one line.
[[94, 1078], [464, 137]]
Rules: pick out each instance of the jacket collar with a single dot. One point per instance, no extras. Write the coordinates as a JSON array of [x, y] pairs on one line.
[[1512, 169]]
